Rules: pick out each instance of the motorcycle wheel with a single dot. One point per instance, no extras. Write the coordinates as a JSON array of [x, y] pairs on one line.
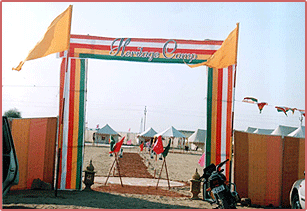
[[296, 202], [226, 202]]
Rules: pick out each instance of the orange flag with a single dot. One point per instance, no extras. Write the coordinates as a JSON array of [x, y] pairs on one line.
[[56, 39], [226, 55]]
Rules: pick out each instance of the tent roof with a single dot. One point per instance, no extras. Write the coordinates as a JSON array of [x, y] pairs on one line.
[[107, 130], [171, 132], [148, 133], [298, 133], [283, 130], [198, 136], [263, 131], [250, 129]]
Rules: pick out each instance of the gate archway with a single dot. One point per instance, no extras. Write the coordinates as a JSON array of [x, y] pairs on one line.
[[73, 83]]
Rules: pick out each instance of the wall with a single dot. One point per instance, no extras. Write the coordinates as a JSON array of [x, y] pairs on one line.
[[266, 166], [35, 142]]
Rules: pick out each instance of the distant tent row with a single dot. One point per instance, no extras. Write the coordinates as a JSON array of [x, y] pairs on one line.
[[197, 139], [170, 132], [103, 134], [280, 131]]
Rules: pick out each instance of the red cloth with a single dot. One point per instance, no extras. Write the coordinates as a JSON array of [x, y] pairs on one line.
[[142, 146], [158, 146], [118, 145]]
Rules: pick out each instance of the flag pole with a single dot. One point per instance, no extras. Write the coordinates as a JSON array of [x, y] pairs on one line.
[[233, 103], [60, 136]]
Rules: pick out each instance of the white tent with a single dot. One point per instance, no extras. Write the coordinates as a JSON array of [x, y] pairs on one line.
[[150, 133], [298, 133], [198, 139], [171, 132], [198, 136], [175, 135], [263, 131], [147, 135], [283, 130]]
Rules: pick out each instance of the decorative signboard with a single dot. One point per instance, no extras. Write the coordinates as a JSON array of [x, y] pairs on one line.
[[143, 50]]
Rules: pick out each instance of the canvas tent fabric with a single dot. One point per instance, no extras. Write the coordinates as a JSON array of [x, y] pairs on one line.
[[150, 132], [263, 131], [35, 144], [283, 130], [171, 132], [267, 161], [298, 133], [198, 136], [250, 129], [107, 130]]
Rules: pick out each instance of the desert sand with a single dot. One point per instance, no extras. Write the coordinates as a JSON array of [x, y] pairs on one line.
[[180, 165]]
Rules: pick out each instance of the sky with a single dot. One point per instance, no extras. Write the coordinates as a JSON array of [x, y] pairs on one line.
[[270, 66]]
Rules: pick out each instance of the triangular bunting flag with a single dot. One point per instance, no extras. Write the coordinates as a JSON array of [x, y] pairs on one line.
[[250, 100], [281, 109], [261, 105]]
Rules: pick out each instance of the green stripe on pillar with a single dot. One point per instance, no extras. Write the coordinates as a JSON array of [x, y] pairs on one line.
[[209, 116], [81, 123]]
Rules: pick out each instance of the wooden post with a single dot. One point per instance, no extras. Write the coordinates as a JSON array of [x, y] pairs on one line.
[[169, 187], [109, 172], [163, 164], [117, 166]]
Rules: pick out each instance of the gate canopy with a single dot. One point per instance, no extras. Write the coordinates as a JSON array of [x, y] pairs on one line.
[[73, 80]]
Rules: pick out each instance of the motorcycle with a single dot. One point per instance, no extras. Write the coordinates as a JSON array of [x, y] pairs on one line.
[[220, 191]]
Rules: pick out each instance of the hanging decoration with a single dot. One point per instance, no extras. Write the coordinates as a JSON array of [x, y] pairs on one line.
[[301, 111], [282, 109], [261, 105], [250, 100]]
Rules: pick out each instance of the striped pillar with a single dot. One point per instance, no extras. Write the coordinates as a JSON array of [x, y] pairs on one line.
[[72, 122], [219, 115]]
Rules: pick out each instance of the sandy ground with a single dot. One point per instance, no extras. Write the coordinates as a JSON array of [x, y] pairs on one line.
[[181, 166]]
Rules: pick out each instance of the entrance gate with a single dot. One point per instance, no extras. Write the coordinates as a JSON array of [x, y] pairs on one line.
[[73, 83]]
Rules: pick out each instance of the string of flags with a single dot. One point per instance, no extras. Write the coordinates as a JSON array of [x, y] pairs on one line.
[[283, 109]]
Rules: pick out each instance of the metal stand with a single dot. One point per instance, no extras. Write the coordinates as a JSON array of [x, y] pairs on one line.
[[117, 166]]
